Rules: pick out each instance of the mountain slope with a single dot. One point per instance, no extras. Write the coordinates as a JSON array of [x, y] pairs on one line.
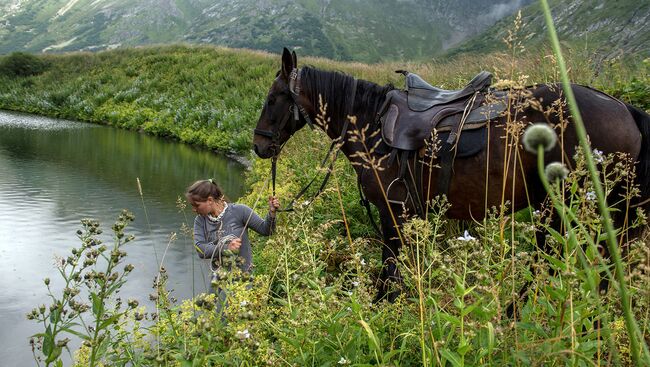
[[360, 30], [607, 28]]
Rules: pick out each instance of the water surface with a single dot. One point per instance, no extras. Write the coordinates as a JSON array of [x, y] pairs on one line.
[[54, 172]]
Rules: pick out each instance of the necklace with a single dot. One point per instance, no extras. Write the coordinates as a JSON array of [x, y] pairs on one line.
[[213, 219]]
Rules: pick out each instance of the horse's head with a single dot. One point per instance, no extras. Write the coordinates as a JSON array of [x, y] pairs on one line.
[[283, 113]]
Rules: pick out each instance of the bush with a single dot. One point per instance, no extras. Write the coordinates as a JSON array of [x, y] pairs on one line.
[[20, 64]]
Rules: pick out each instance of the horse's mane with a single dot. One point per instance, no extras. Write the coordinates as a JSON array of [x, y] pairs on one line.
[[336, 89]]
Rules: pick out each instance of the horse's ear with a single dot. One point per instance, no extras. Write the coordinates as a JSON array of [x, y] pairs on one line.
[[295, 59], [287, 63]]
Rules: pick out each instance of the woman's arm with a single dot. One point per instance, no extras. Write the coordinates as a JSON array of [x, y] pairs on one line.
[[204, 247], [264, 226]]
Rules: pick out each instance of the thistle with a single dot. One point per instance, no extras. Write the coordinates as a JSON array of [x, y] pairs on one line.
[[539, 134], [556, 171]]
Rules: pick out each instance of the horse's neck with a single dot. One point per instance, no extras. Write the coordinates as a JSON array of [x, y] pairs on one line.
[[351, 145], [339, 114]]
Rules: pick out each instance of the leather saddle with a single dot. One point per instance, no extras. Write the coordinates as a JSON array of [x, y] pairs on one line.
[[409, 116], [421, 95]]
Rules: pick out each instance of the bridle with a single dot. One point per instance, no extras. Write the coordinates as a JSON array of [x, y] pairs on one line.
[[297, 110]]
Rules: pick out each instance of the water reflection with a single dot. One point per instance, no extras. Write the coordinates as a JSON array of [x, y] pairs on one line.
[[53, 173]]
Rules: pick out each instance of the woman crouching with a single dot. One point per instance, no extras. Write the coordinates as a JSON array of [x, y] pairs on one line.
[[221, 228]]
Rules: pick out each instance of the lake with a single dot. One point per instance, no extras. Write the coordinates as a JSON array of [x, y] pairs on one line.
[[55, 172]]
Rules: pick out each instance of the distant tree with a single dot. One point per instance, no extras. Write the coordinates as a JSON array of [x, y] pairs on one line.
[[19, 64]]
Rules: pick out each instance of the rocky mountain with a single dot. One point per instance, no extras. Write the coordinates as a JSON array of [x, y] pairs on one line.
[[360, 30], [607, 28]]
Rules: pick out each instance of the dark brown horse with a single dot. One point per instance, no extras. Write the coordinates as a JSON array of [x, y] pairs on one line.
[[501, 172]]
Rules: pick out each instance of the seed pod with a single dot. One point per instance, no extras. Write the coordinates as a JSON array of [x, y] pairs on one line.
[[539, 134], [556, 171]]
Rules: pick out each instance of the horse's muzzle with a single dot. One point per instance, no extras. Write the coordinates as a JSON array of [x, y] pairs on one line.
[[264, 153]]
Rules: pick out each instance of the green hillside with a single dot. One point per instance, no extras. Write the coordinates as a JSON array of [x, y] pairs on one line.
[[211, 97], [202, 96]]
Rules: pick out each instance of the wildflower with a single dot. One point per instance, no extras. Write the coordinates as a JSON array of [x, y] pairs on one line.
[[243, 303], [243, 334], [355, 283], [556, 171], [598, 156], [539, 134], [591, 196], [344, 361], [466, 237], [537, 213], [363, 262]]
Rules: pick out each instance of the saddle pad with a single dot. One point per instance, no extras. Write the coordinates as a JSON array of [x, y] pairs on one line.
[[471, 142]]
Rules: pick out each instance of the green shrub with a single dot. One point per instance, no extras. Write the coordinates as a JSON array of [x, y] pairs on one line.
[[21, 64]]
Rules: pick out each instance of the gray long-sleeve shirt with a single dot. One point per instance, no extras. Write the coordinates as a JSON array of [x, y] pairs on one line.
[[207, 233]]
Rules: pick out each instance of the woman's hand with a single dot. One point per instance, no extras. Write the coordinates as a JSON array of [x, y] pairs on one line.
[[274, 205], [234, 245]]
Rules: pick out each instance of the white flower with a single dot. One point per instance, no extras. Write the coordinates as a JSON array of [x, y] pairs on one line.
[[244, 303], [355, 283], [344, 361], [243, 334], [598, 155], [363, 262], [536, 213], [466, 237], [591, 196]]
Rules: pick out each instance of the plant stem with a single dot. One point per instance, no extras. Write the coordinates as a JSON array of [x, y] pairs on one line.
[[630, 322]]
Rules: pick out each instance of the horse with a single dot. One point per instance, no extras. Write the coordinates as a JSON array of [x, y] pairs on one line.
[[478, 182]]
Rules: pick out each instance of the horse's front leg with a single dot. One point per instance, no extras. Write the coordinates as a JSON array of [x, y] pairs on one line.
[[389, 282]]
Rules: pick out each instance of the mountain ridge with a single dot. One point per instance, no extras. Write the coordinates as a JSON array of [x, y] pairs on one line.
[[367, 31], [360, 30]]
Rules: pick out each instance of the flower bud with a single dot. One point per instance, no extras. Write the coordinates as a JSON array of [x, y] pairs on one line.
[[539, 134], [555, 171]]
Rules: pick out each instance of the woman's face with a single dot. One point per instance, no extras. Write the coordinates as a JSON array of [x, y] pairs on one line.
[[203, 207]]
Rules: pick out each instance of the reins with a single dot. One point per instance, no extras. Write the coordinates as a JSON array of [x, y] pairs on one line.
[[298, 110]]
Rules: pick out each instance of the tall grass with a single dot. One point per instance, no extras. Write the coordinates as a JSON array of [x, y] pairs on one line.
[[612, 244]]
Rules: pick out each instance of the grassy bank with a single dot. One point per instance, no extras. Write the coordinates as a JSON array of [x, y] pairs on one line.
[[211, 97]]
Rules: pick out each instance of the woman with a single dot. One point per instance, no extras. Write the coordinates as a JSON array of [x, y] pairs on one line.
[[221, 226]]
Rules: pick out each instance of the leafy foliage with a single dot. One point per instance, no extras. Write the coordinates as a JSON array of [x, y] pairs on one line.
[[21, 64]]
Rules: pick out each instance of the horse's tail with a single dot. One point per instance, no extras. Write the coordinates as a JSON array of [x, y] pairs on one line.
[[643, 165]]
